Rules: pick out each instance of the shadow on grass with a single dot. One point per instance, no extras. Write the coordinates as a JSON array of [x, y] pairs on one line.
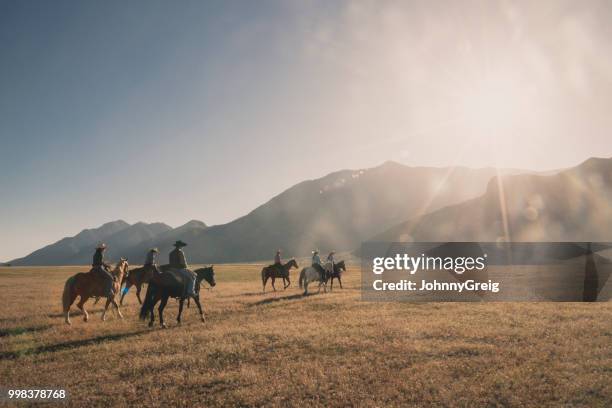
[[52, 348], [277, 299], [16, 331], [78, 312]]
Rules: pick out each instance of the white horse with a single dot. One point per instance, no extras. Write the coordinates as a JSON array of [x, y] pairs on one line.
[[310, 274]]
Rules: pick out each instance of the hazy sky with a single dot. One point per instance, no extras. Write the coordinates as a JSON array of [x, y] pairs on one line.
[[170, 111]]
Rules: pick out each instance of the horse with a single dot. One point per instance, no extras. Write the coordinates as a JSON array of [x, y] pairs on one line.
[[161, 287], [273, 271], [311, 274], [88, 285], [339, 267], [136, 277]]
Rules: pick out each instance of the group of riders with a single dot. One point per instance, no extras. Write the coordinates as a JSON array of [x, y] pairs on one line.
[[177, 264], [316, 263]]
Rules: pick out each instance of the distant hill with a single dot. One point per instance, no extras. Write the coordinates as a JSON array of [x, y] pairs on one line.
[[64, 250], [337, 212], [77, 250], [164, 241], [120, 242], [573, 205]]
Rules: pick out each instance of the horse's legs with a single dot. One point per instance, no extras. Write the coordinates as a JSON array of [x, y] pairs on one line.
[[265, 280], [81, 305], [305, 286], [73, 296], [152, 312], [288, 282], [108, 300], [181, 303], [331, 286], [340, 280], [97, 300], [162, 305], [197, 302], [124, 291], [273, 279], [188, 302], [138, 289], [114, 302]]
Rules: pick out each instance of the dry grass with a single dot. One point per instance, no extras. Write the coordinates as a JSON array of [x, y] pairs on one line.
[[329, 350]]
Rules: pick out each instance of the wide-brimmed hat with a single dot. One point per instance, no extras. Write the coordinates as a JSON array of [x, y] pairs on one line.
[[179, 244], [101, 245], [278, 251], [154, 250], [316, 251]]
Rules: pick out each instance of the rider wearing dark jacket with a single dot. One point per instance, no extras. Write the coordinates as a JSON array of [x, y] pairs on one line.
[[179, 263], [101, 268]]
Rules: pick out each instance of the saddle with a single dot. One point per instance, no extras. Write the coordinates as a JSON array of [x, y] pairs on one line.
[[171, 275]]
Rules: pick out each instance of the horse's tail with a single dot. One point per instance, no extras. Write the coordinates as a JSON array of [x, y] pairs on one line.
[[302, 276], [67, 295], [148, 302], [263, 275]]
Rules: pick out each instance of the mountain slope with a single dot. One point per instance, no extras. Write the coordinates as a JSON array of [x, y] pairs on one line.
[[336, 212], [573, 205], [119, 243], [60, 252], [164, 241]]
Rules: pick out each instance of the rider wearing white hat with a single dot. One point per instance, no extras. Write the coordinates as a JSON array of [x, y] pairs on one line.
[[316, 263]]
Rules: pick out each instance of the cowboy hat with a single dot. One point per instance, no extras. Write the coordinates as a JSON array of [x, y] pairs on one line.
[[179, 243], [316, 251], [101, 245], [154, 250]]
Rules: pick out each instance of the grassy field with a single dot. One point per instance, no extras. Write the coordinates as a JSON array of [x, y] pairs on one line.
[[279, 349]]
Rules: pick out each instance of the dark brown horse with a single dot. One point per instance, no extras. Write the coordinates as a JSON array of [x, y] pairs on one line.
[[276, 271], [339, 267], [167, 285], [87, 285]]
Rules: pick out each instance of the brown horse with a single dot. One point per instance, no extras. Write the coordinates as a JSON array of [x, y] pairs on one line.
[[274, 271], [88, 285], [136, 277]]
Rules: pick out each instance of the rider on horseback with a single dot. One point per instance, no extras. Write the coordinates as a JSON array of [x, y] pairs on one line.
[[179, 263], [278, 265], [330, 262], [102, 269], [150, 263], [316, 263]]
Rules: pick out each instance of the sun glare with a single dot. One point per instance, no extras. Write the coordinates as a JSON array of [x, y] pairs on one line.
[[491, 105]]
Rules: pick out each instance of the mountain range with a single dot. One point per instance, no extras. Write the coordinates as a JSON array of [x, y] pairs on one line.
[[390, 202], [571, 205], [336, 212]]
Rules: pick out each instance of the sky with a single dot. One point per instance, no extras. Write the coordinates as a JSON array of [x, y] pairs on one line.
[[171, 111]]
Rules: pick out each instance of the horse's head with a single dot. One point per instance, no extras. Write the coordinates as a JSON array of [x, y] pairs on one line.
[[292, 264], [340, 265], [123, 265], [207, 274]]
